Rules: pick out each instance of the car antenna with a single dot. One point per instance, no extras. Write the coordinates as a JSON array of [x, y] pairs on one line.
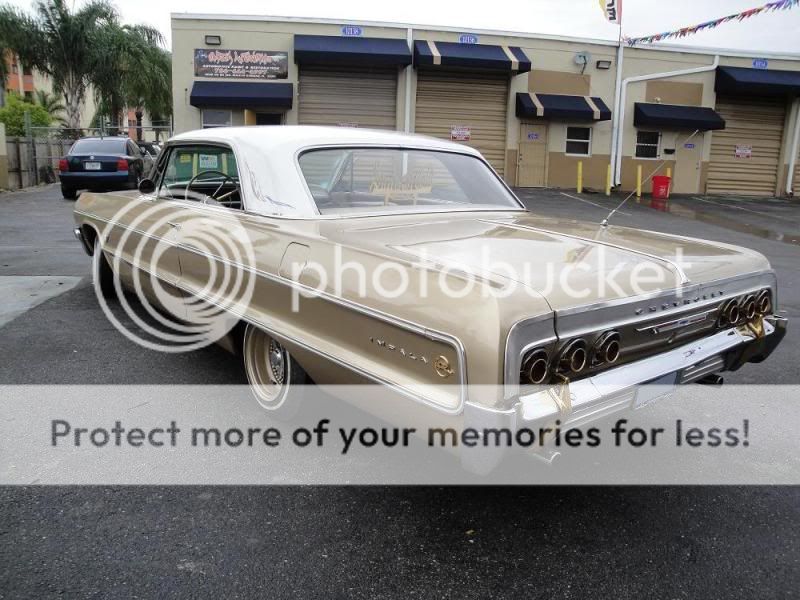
[[604, 222]]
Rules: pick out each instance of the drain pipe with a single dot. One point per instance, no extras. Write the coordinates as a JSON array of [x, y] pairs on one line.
[[793, 155], [618, 141], [409, 69]]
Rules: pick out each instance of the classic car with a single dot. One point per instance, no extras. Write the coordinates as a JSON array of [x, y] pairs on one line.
[[447, 290]]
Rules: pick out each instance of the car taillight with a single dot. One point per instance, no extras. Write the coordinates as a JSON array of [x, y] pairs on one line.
[[122, 165], [63, 165]]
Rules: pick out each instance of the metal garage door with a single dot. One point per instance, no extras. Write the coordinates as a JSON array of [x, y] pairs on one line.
[[474, 103], [348, 96], [745, 155]]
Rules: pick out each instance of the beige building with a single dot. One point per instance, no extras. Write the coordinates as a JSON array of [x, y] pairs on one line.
[[535, 106]]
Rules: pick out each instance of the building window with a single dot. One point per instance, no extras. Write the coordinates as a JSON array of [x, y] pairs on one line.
[[648, 144], [216, 118], [579, 141], [29, 97]]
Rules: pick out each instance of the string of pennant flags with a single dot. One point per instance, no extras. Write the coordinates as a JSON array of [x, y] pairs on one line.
[[685, 31]]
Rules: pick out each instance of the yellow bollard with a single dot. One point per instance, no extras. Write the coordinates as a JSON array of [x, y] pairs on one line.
[[608, 180], [580, 177], [639, 181], [669, 172]]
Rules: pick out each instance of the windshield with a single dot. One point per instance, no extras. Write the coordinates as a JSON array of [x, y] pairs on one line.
[[359, 180], [106, 146]]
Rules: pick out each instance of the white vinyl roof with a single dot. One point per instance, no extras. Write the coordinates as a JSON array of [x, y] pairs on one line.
[[269, 174]]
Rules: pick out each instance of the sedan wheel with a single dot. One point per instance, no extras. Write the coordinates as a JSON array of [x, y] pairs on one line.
[[102, 275], [277, 380]]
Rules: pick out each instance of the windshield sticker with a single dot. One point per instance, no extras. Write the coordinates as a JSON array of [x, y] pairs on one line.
[[208, 161], [410, 185]]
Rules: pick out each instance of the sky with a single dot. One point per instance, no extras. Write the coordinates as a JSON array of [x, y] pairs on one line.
[[772, 32]]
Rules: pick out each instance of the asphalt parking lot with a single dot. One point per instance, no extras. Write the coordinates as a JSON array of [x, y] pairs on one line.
[[577, 542]]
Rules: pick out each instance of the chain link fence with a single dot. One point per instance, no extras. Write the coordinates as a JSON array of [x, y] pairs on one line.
[[33, 158]]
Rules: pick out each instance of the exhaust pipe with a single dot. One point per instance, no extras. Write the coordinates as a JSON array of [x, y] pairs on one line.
[[712, 379], [606, 349], [730, 314]]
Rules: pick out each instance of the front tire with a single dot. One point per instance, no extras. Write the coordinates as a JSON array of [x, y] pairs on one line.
[[275, 377], [69, 193], [102, 275]]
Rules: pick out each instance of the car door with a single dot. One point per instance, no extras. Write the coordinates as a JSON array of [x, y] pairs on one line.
[[147, 245], [202, 181]]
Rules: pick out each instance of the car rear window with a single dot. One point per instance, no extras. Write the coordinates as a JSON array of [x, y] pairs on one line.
[[107, 146]]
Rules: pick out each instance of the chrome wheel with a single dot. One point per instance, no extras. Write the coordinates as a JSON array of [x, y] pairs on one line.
[[275, 378]]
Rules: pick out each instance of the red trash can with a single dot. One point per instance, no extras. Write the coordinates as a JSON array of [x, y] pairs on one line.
[[661, 187]]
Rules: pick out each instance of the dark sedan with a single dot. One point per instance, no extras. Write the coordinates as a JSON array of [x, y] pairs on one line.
[[102, 164]]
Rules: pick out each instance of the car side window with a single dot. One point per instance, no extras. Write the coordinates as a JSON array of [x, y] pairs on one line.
[[202, 173], [133, 150]]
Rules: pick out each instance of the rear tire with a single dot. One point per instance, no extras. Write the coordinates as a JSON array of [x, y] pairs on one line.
[[102, 274], [69, 193], [276, 378]]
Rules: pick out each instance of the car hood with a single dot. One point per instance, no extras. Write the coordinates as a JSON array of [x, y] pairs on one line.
[[568, 263]]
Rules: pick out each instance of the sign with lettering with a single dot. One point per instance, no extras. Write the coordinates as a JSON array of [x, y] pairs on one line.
[[352, 31], [241, 64], [760, 63], [468, 38], [688, 145], [460, 133], [744, 151], [533, 136]]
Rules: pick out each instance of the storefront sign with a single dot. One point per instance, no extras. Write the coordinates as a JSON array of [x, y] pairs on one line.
[[533, 136], [468, 38], [352, 31], [743, 151], [760, 63], [460, 133], [241, 64]]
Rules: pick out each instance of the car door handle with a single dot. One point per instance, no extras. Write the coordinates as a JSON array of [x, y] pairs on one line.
[[174, 225]]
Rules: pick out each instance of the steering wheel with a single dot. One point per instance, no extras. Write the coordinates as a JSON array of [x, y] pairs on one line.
[[225, 178]]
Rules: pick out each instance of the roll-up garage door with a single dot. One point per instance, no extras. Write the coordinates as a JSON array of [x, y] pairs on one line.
[[348, 96], [475, 105], [745, 156]]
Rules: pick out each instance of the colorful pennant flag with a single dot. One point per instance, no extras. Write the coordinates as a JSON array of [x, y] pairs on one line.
[[683, 32]]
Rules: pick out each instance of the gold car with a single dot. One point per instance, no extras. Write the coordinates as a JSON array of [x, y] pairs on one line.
[[337, 255]]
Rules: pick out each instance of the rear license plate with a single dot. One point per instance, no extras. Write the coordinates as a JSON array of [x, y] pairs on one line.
[[652, 391], [91, 166]]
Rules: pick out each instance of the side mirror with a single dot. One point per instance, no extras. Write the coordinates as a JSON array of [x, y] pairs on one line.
[[147, 186]]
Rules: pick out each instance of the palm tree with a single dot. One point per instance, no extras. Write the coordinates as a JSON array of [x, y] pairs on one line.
[[149, 88], [86, 48], [60, 43], [52, 104]]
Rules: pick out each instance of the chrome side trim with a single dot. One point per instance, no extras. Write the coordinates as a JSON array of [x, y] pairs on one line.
[[409, 326]]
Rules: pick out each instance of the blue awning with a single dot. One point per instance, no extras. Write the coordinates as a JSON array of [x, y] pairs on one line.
[[757, 82], [362, 51], [562, 107], [471, 56], [241, 94], [673, 116]]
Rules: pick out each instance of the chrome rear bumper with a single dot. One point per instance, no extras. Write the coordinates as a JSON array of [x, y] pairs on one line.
[[594, 397]]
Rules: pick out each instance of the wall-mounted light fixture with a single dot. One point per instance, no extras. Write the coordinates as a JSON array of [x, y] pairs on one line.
[[213, 40], [603, 65]]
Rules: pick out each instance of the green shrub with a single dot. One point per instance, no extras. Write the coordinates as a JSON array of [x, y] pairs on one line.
[[13, 115]]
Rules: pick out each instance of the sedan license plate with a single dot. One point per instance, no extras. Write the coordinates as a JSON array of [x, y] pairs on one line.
[[91, 166], [653, 390]]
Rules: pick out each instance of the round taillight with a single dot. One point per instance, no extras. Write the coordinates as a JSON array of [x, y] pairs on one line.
[[729, 315], [573, 357], [606, 348], [535, 366], [764, 302], [749, 308]]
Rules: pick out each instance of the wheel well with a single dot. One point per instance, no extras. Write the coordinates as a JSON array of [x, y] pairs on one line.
[[89, 234]]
